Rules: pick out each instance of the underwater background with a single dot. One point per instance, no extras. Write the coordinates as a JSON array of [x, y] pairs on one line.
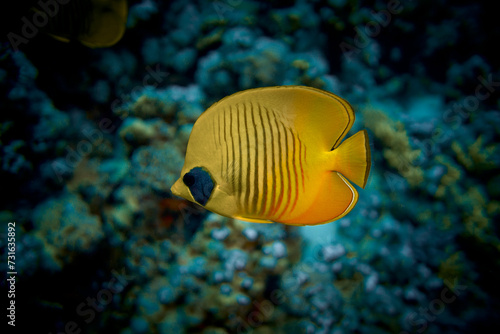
[[91, 140]]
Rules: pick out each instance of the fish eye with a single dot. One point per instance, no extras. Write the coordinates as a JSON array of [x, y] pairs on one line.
[[200, 184]]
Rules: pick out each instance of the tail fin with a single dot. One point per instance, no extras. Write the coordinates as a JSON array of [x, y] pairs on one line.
[[352, 158]]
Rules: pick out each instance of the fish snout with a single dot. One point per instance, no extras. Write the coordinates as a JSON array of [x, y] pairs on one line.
[[178, 189]]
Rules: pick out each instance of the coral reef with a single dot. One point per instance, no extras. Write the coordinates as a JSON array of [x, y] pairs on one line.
[[221, 274], [396, 146], [66, 229], [91, 141]]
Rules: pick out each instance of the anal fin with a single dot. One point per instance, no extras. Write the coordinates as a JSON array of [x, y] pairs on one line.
[[254, 220], [334, 200]]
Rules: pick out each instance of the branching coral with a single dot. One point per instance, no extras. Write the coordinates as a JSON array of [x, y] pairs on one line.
[[396, 145], [479, 157]]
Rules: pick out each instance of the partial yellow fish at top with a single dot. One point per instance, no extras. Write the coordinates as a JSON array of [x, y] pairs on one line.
[[94, 23], [276, 154]]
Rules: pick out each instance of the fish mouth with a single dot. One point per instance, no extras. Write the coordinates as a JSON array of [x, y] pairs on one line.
[[180, 190]]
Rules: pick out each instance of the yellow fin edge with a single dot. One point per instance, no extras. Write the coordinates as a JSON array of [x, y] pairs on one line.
[[254, 220]]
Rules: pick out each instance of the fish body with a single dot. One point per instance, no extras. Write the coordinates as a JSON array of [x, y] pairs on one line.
[[274, 154]]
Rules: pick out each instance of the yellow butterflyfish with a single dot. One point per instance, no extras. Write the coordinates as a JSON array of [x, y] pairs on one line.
[[275, 154], [94, 23]]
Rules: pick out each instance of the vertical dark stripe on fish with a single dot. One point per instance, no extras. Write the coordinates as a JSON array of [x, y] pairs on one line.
[[305, 154], [273, 166], [224, 161], [280, 167], [287, 163], [301, 166], [226, 147], [295, 172], [247, 183], [263, 206], [256, 174], [219, 128], [240, 173], [231, 161]]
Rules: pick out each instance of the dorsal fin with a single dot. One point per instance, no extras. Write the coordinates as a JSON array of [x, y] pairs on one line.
[[319, 117]]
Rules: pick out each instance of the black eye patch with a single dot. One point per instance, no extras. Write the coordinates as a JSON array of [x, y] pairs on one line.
[[200, 184]]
